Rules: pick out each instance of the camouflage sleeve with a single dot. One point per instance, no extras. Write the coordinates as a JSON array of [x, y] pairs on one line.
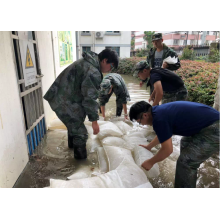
[[103, 99], [90, 91]]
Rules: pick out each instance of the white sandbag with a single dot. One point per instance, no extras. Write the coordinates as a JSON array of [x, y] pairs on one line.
[[114, 141], [109, 129], [124, 128], [136, 134], [89, 129], [116, 155], [135, 141], [56, 124], [107, 180], [130, 174], [93, 143], [140, 155], [89, 123], [102, 159], [83, 172], [145, 185]]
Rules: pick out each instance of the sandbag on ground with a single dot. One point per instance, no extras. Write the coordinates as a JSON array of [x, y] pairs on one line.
[[135, 141], [115, 141], [130, 174], [93, 143], [127, 175], [140, 155], [145, 185], [108, 180], [83, 172], [109, 129], [124, 128], [102, 159], [56, 124], [116, 155]]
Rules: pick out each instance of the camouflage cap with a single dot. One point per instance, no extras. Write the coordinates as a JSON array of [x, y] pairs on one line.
[[105, 86], [140, 66], [156, 36]]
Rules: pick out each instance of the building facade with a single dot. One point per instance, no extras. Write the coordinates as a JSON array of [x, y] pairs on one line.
[[96, 41], [176, 39]]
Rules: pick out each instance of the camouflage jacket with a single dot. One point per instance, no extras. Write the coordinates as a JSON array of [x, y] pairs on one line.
[[119, 88], [167, 52], [78, 83]]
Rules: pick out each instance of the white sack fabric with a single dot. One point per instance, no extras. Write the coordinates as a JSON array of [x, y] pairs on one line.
[[140, 155]]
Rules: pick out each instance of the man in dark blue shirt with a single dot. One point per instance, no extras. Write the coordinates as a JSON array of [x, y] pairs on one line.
[[167, 85], [198, 123]]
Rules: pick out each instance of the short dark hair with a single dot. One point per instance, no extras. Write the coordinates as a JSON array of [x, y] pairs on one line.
[[138, 108], [110, 55]]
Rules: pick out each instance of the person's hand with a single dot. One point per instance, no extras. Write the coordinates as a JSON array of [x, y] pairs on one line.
[[95, 127], [126, 117], [165, 65], [141, 83], [150, 99], [147, 165], [145, 146]]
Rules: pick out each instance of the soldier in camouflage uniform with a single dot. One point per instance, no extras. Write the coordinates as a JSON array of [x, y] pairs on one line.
[[74, 93], [160, 52], [168, 86], [197, 123], [113, 82]]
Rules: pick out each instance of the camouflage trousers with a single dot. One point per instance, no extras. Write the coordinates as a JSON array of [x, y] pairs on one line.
[[73, 116], [179, 95], [194, 150]]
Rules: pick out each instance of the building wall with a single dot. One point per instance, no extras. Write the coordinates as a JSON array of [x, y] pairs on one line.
[[13, 142], [13, 146], [50, 64], [170, 36], [123, 41]]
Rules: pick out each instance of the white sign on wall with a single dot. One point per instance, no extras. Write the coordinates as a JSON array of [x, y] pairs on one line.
[[27, 57]]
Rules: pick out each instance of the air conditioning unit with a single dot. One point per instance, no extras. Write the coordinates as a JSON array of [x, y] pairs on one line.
[[99, 34]]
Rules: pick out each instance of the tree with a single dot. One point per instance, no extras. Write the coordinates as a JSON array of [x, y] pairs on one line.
[[148, 38], [132, 44]]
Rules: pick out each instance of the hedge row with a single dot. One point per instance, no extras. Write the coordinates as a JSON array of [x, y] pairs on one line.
[[200, 77]]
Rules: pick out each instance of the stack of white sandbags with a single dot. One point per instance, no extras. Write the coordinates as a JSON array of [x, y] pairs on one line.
[[115, 144], [126, 175]]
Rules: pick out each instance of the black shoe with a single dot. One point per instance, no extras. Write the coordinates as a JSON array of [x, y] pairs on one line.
[[70, 141], [80, 152]]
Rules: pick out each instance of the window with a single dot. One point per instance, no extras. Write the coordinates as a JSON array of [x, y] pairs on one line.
[[117, 49], [112, 33], [85, 33], [86, 49], [192, 42], [207, 32], [176, 42]]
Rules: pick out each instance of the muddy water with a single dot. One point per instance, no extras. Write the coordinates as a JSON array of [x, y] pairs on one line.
[[53, 159]]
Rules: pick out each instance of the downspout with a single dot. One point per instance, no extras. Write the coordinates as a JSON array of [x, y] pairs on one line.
[[54, 66], [77, 46]]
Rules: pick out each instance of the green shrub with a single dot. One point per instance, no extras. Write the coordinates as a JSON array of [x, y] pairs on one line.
[[188, 54], [200, 77], [201, 80]]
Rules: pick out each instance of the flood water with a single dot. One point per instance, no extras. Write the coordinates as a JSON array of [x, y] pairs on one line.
[[53, 159]]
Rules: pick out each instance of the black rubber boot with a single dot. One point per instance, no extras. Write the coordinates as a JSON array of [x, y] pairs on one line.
[[70, 141], [80, 152]]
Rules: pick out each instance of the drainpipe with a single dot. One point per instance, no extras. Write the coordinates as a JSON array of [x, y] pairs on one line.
[[77, 46], [93, 45], [54, 65]]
